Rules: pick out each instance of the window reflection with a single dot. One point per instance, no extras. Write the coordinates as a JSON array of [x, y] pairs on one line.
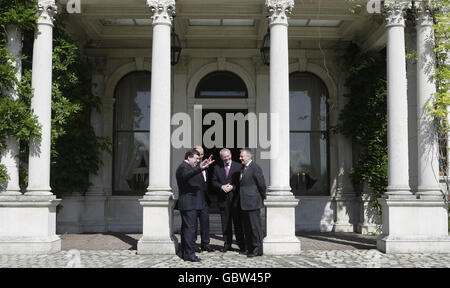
[[132, 125], [221, 84], [308, 137]]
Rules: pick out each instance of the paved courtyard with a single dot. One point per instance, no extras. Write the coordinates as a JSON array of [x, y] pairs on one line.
[[325, 250]]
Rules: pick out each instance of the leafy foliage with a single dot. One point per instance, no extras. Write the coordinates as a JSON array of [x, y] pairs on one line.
[[75, 147], [16, 118], [364, 118], [441, 99]]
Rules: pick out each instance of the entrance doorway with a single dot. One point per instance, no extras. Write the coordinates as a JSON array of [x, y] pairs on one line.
[[215, 151]]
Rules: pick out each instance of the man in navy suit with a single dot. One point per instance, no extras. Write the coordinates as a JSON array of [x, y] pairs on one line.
[[252, 192], [203, 214], [225, 180], [191, 200]]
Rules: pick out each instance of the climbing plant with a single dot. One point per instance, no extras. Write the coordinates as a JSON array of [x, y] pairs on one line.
[[438, 107], [364, 118], [371, 166], [75, 148], [16, 117]]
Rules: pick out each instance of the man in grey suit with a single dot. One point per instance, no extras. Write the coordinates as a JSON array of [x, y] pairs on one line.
[[252, 192]]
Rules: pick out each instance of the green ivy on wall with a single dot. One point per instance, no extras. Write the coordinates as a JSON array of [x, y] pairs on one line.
[[76, 149], [16, 118], [364, 118]]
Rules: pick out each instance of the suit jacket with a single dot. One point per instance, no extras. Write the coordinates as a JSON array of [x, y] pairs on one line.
[[252, 188], [219, 178], [191, 187]]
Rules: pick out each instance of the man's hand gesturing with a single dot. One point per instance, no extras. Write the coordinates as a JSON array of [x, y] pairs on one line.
[[205, 163]]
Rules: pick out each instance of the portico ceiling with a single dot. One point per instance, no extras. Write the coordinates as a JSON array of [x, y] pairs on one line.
[[125, 24]]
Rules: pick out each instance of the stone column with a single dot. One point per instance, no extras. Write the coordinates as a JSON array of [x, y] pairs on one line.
[[345, 196], [398, 165], [28, 222], [39, 158], [94, 205], [158, 202], [9, 156], [410, 225], [427, 139], [280, 204]]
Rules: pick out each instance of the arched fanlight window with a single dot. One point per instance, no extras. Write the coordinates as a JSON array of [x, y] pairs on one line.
[[221, 84], [131, 134], [309, 173]]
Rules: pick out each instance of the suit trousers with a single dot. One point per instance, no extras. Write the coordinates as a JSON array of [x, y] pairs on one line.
[[203, 217], [253, 231], [231, 216], [188, 233]]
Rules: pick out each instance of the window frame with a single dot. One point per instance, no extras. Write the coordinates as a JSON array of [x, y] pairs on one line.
[[205, 78], [115, 139], [325, 133]]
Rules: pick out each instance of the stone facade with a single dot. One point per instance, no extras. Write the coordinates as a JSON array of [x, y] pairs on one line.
[[315, 48]]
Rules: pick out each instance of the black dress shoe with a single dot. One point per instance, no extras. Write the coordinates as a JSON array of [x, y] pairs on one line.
[[251, 255], [243, 252], [207, 249], [194, 259], [197, 249]]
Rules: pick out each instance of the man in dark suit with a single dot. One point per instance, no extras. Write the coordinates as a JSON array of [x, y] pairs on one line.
[[191, 200], [225, 180], [203, 214], [252, 192]]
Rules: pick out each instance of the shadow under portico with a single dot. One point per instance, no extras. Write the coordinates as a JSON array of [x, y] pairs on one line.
[[128, 241]]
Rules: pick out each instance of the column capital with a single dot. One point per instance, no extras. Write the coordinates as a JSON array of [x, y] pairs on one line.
[[394, 11], [47, 11], [424, 12], [279, 10], [163, 11]]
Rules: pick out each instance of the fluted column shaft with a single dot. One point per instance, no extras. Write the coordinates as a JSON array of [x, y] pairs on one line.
[[398, 165], [279, 98], [159, 174], [280, 203], [98, 88], [9, 156], [428, 149], [39, 158]]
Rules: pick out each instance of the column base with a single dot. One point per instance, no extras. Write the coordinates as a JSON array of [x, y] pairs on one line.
[[157, 234], [344, 213], [281, 245], [157, 247], [414, 226], [280, 226], [368, 228], [343, 227], [28, 225], [30, 245], [411, 244], [369, 218]]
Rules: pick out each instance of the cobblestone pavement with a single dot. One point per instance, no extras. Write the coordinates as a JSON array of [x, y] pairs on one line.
[[318, 250]]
